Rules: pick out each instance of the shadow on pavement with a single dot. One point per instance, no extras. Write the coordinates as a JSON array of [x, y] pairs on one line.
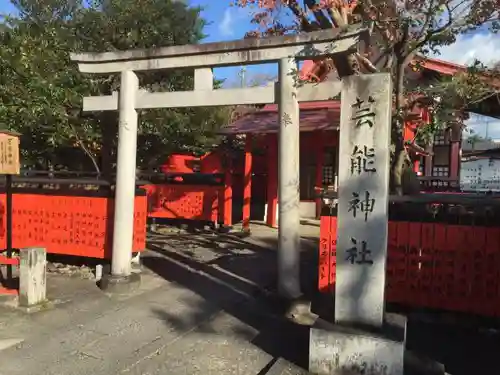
[[235, 277], [236, 284]]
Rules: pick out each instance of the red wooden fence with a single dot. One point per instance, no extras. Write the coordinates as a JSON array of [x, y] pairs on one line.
[[186, 202], [434, 265], [68, 224], [9, 261]]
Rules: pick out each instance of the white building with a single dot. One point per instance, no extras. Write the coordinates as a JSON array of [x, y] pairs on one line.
[[480, 174]]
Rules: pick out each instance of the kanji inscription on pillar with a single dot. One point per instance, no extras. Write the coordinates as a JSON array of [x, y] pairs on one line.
[[364, 164]]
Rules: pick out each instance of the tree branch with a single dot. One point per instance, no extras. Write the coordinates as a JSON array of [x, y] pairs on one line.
[[366, 63], [84, 148], [301, 15]]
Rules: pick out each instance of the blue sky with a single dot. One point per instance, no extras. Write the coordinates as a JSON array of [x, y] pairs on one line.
[[228, 23], [5, 6]]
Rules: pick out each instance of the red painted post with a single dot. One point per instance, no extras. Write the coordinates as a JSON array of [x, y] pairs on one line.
[[454, 159], [272, 180], [227, 205], [416, 166], [333, 254], [324, 253], [426, 118], [247, 184], [456, 136]]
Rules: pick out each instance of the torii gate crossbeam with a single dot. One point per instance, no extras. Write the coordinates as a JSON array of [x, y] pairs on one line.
[[286, 50]]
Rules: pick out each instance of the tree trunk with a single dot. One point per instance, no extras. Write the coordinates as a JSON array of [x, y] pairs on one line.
[[398, 162], [109, 132]]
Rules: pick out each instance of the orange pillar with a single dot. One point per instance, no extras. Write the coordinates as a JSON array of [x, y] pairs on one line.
[[416, 167], [319, 140], [227, 204], [247, 183], [272, 180], [408, 135]]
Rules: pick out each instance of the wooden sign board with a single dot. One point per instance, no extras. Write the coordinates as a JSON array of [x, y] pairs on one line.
[[9, 153]]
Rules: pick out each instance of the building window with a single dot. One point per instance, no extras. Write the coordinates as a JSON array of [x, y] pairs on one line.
[[308, 173], [328, 175], [440, 139], [440, 171]]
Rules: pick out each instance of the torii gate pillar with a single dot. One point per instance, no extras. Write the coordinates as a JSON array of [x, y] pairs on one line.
[[286, 51], [288, 182], [123, 225]]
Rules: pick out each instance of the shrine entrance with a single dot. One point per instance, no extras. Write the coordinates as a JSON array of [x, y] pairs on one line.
[[287, 51], [361, 243]]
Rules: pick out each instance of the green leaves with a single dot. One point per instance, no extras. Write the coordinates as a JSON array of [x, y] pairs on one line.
[[41, 90]]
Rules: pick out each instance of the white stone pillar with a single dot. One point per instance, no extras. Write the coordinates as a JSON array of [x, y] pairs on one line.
[[288, 182], [123, 229], [362, 215], [32, 277]]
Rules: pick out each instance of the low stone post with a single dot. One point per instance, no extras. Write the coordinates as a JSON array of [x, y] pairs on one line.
[[32, 277]]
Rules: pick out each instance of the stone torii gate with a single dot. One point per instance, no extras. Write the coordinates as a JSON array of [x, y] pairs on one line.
[[286, 50], [363, 339]]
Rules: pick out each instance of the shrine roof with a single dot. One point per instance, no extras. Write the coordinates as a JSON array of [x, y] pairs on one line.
[[493, 153], [313, 116], [441, 66], [323, 115]]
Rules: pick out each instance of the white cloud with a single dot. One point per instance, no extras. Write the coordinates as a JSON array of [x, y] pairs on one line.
[[483, 126], [484, 46], [226, 25]]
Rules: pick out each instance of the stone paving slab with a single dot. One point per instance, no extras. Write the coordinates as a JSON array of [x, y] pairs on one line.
[[191, 313], [189, 316], [158, 332], [284, 367]]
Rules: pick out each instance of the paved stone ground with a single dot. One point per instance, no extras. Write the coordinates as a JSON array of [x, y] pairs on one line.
[[201, 309], [198, 311]]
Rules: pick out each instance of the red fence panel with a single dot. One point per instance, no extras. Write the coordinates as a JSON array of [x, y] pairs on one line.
[[186, 202], [68, 224], [448, 266]]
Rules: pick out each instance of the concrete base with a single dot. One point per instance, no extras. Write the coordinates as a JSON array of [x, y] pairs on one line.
[[281, 366], [119, 284], [13, 303], [341, 350], [46, 305], [299, 312], [307, 210], [7, 343]]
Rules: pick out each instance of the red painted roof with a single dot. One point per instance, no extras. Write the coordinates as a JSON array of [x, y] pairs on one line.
[[441, 66], [313, 116], [323, 115]]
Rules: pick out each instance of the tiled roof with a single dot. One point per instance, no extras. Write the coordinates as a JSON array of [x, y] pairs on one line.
[[313, 116], [323, 115]]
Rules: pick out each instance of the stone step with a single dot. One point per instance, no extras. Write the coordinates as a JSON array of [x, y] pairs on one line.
[[416, 364], [281, 366]]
